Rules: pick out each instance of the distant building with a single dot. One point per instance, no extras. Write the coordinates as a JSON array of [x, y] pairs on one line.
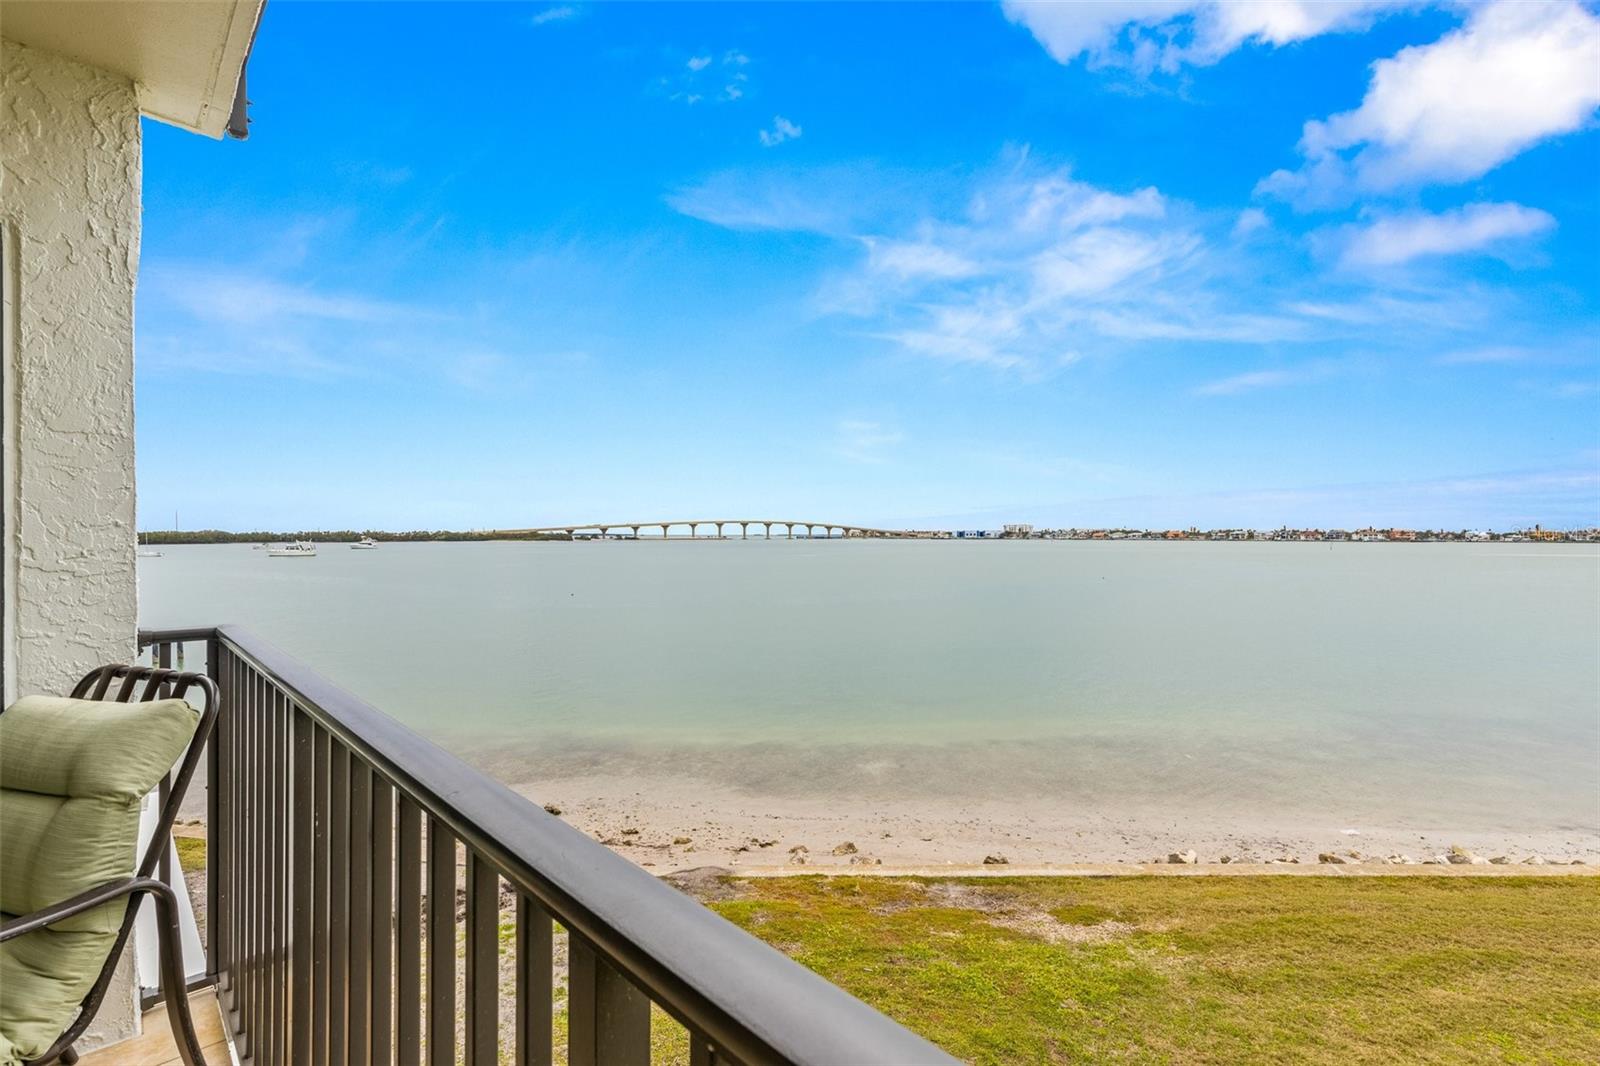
[[1016, 529]]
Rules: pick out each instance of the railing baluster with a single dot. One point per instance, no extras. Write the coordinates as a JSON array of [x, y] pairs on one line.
[[217, 814], [535, 994], [319, 897], [360, 838], [300, 935], [338, 903], [408, 935], [608, 1019], [277, 973], [382, 1038], [441, 945], [483, 962], [699, 1050], [258, 863], [238, 727]]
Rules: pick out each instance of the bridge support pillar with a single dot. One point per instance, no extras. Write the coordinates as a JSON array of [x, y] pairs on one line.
[[744, 530]]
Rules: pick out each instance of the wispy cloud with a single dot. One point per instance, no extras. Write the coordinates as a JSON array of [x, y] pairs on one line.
[[1494, 354], [863, 441], [1150, 35], [243, 299], [1474, 228], [1025, 268], [1275, 378], [781, 130], [708, 76], [1517, 74], [838, 201], [1250, 220], [560, 13]]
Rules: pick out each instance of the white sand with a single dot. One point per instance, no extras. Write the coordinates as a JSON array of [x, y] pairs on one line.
[[641, 817]]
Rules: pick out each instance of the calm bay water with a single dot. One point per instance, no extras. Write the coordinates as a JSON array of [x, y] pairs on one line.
[[1445, 682]]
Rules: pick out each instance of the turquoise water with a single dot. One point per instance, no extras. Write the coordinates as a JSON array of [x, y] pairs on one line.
[[1445, 680]]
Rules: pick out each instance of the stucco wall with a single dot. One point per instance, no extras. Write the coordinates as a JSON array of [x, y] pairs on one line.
[[69, 139], [69, 199]]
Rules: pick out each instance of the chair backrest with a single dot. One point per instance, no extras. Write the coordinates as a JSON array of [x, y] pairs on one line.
[[159, 684], [73, 774]]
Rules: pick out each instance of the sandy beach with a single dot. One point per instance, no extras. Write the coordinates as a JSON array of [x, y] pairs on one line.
[[669, 822]]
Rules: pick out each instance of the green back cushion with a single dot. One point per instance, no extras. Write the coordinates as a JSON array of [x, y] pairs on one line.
[[72, 775]]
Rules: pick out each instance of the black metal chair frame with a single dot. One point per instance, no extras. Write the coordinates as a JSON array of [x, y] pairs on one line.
[[159, 683]]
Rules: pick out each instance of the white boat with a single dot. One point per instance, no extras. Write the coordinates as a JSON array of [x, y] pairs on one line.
[[365, 542], [298, 549], [145, 553]]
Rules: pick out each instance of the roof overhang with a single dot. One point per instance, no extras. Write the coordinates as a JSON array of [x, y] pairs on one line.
[[187, 57]]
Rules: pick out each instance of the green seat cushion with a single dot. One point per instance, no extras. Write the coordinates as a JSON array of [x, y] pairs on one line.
[[43, 979], [72, 776]]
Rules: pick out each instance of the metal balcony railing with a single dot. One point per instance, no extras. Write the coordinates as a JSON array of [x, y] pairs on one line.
[[332, 895]]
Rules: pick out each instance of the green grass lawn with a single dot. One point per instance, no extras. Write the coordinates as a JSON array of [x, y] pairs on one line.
[[1235, 969], [191, 852], [1208, 969]]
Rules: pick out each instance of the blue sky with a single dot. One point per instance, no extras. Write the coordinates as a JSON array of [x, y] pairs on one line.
[[954, 264]]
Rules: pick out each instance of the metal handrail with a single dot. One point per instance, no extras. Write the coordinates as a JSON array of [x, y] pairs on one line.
[[750, 1000]]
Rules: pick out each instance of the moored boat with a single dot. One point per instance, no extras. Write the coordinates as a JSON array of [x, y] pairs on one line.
[[297, 549]]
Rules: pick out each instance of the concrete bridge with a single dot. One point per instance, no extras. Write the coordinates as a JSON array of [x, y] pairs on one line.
[[690, 529]]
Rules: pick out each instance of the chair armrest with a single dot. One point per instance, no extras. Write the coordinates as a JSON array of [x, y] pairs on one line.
[[83, 901]]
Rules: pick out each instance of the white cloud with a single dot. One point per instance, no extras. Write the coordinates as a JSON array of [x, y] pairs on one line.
[[698, 78], [244, 299], [1255, 380], [554, 14], [1249, 221], [839, 201], [782, 130], [1399, 239], [1518, 73], [917, 259], [1165, 34], [863, 441], [1246, 382], [1486, 356], [1024, 268], [1037, 263]]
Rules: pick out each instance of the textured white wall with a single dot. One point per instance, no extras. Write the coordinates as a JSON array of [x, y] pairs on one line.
[[69, 139], [69, 142]]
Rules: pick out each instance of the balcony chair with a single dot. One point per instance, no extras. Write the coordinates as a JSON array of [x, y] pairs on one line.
[[73, 774]]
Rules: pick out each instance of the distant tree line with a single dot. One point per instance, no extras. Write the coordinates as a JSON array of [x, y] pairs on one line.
[[329, 536]]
